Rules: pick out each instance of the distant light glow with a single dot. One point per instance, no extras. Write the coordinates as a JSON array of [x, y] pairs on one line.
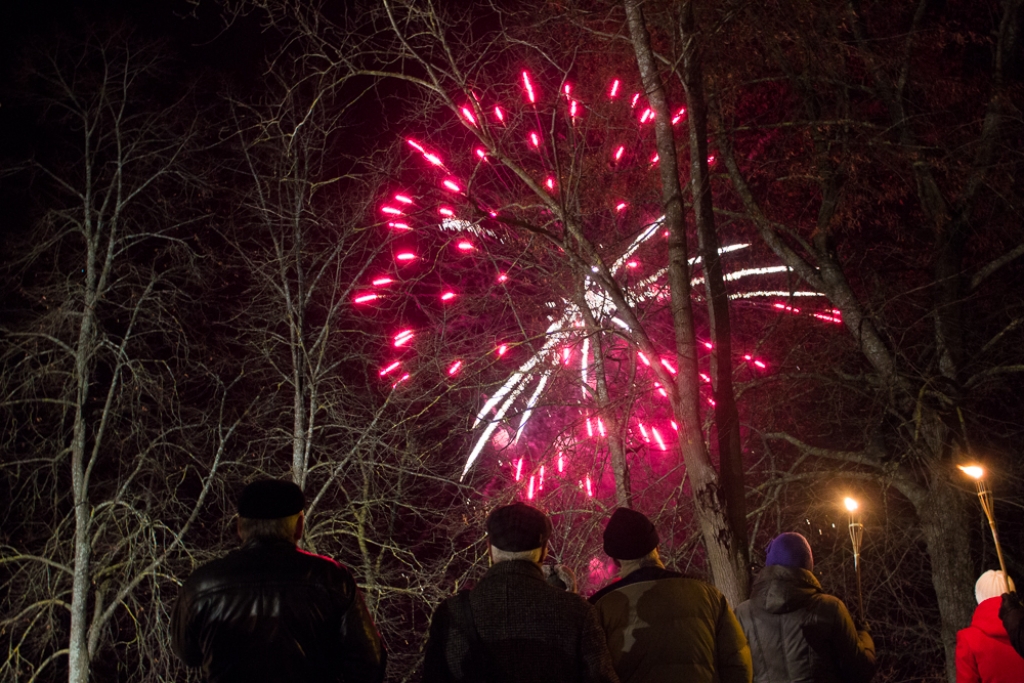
[[573, 108], [405, 256], [679, 116], [403, 199], [619, 152], [468, 114], [534, 140], [502, 277], [549, 183], [567, 89], [399, 226], [648, 115], [615, 89], [391, 211], [452, 185], [445, 211], [788, 309], [590, 427], [632, 264], [364, 298], [502, 350], [465, 245], [519, 469], [381, 281], [415, 145], [400, 380], [403, 338], [447, 296], [480, 152], [668, 365], [655, 158], [643, 358], [590, 488], [657, 437], [851, 504], [643, 431], [711, 160], [540, 481], [529, 88], [390, 368], [600, 427], [529, 490], [561, 463], [499, 114], [674, 425], [620, 206], [455, 367], [760, 364], [636, 98]]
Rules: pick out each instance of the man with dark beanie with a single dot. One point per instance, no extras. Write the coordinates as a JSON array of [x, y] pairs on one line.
[[513, 627], [272, 613], [662, 626], [796, 631]]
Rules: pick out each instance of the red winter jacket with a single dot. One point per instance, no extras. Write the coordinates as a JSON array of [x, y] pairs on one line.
[[983, 650]]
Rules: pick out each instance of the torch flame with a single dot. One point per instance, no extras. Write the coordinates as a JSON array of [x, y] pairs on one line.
[[972, 471], [851, 504]]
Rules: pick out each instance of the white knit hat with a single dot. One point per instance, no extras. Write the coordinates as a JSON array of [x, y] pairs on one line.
[[990, 585]]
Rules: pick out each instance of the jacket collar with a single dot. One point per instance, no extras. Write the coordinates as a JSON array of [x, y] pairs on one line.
[[515, 567], [262, 543], [651, 573]]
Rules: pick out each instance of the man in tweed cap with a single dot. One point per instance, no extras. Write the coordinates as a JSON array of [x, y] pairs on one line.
[[513, 627]]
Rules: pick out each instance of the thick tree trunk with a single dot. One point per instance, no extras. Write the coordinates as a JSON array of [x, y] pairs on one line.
[[727, 425], [728, 567]]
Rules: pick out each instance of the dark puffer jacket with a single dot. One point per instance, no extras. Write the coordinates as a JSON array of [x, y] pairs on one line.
[[664, 627], [527, 632], [799, 634], [271, 612]]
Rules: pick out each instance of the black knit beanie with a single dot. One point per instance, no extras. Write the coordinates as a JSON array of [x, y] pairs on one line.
[[629, 535]]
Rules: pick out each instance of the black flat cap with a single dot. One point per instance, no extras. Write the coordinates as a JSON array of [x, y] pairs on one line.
[[518, 527], [270, 499], [629, 535]]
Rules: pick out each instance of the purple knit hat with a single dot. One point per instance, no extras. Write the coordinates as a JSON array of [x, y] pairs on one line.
[[790, 550]]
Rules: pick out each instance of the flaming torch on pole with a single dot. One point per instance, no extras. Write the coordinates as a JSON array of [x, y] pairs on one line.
[[977, 473], [856, 536]]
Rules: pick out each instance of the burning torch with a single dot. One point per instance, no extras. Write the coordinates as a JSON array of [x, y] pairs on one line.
[[977, 473]]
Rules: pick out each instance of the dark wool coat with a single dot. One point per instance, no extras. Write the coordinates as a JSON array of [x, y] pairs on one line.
[[270, 612], [983, 650], [665, 627], [529, 632], [799, 634]]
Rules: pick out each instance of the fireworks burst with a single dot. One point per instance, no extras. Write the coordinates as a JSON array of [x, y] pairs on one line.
[[508, 183]]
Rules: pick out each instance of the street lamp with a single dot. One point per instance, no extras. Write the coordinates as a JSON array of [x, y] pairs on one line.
[[977, 473], [856, 536]]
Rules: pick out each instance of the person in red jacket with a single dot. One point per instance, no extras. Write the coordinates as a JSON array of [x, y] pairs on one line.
[[983, 650]]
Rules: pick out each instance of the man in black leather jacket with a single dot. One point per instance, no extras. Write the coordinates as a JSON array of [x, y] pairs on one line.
[[271, 612]]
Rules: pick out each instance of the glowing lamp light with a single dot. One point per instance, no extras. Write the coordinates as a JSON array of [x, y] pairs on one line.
[[643, 358], [365, 298], [502, 350], [632, 264], [656, 158], [400, 380], [675, 427], [566, 355], [534, 140], [851, 504], [540, 479], [705, 377], [668, 366], [433, 158], [619, 152], [657, 437], [391, 211], [600, 427], [465, 246], [549, 183], [403, 338], [973, 471], [481, 153], [561, 463], [405, 256], [573, 108], [711, 402], [620, 206], [760, 364], [788, 309], [402, 198], [468, 114], [519, 469], [529, 490], [590, 428], [590, 488], [529, 88], [455, 367], [499, 114], [381, 281], [636, 98], [708, 345], [679, 116], [390, 368], [452, 185], [446, 212], [447, 296], [502, 277], [567, 89], [648, 115], [417, 146], [711, 160], [643, 431], [614, 92], [400, 226]]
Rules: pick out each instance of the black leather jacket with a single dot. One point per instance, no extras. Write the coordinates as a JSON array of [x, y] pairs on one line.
[[271, 612]]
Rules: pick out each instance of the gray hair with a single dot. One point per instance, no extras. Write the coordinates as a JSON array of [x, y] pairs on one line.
[[282, 527], [499, 555]]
